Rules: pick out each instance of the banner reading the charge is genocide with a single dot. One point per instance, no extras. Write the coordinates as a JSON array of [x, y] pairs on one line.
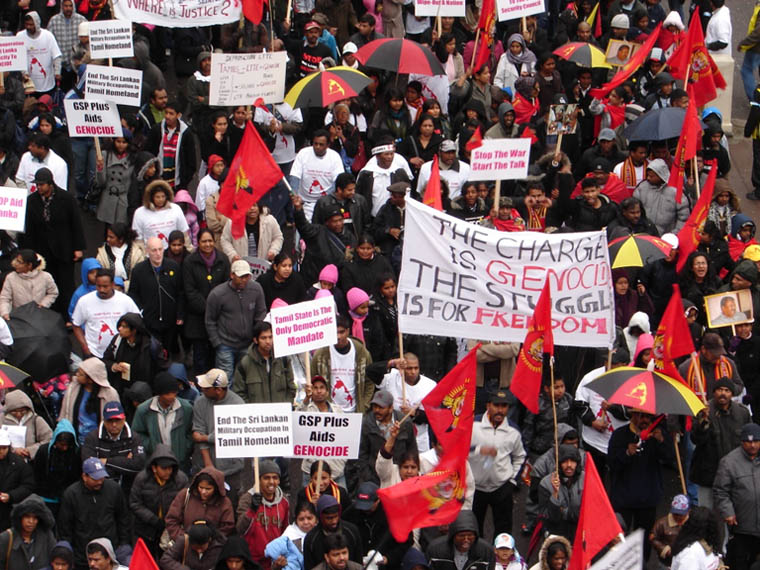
[[459, 279]]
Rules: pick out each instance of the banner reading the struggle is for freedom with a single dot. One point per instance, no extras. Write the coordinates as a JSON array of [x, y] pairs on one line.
[[466, 280]]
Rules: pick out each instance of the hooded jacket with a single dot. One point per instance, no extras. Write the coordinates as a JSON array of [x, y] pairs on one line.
[[88, 265], [35, 555], [262, 526], [659, 201], [645, 342], [174, 556], [238, 548], [120, 466], [314, 541], [55, 470], [543, 563], [35, 286], [269, 240], [108, 547], [187, 507], [94, 369], [561, 513], [232, 314], [440, 552], [150, 500], [38, 431], [735, 491]]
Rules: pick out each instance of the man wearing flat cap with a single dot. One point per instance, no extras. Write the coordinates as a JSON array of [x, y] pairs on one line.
[[389, 223]]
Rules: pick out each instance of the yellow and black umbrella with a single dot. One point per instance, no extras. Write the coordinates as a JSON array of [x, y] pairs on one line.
[[10, 376], [636, 250], [583, 54], [323, 88], [647, 390]]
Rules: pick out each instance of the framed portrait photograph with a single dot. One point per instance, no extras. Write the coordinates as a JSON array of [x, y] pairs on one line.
[[620, 51], [729, 308], [562, 119]]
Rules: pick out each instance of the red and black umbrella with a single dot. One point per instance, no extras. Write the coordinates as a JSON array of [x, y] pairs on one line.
[[401, 56]]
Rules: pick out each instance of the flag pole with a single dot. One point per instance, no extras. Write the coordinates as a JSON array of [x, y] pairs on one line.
[[676, 437], [408, 414], [256, 475], [696, 175], [554, 413], [319, 479], [271, 25], [700, 378], [475, 49], [307, 361], [401, 356]]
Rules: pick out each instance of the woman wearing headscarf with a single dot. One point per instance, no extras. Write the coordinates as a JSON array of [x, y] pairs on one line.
[[517, 61], [525, 101]]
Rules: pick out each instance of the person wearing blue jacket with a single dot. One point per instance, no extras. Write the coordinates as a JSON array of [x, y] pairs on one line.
[[89, 266]]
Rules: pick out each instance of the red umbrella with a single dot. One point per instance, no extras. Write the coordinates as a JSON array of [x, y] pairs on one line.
[[401, 56]]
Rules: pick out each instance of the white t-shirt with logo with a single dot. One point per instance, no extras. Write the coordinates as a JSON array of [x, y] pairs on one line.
[[285, 145], [98, 318], [40, 54], [159, 223], [342, 374], [317, 175], [392, 382]]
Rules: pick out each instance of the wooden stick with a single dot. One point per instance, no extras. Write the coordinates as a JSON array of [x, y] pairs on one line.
[[475, 49], [271, 26], [700, 378], [256, 475], [558, 148], [409, 413], [401, 355], [438, 22], [609, 359], [524, 24], [678, 460], [554, 413], [497, 196], [319, 479], [696, 174], [241, 30], [307, 358], [287, 11], [98, 152]]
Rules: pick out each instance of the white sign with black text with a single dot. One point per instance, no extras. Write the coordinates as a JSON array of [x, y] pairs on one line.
[[319, 435], [117, 84], [92, 118], [111, 38], [253, 430], [242, 78]]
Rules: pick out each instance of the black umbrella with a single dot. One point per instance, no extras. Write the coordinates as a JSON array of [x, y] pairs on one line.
[[39, 340], [657, 125]]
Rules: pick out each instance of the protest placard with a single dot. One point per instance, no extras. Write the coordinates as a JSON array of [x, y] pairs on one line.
[[13, 208], [319, 435], [253, 430], [117, 84], [628, 555], [514, 9], [500, 159], [178, 13], [17, 435], [111, 38], [12, 54], [304, 326], [258, 266], [484, 283], [444, 8], [241, 78], [92, 118]]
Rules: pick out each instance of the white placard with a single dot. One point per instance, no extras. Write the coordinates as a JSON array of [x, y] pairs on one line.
[[514, 9], [628, 555], [319, 435], [500, 159], [111, 38], [483, 283], [304, 326], [12, 54], [13, 208], [448, 8], [178, 13], [117, 84], [17, 435], [92, 118], [253, 430], [241, 78], [258, 266]]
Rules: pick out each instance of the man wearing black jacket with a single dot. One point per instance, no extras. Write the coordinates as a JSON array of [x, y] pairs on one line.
[[462, 539], [16, 480], [329, 513], [355, 210]]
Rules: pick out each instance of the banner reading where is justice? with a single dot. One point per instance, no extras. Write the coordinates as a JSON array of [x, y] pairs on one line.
[[465, 280], [178, 13]]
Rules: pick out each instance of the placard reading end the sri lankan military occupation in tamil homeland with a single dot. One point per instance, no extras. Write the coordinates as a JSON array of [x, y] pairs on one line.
[[253, 430], [111, 38], [117, 84]]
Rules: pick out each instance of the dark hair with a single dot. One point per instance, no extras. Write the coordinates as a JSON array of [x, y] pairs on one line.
[[156, 188], [622, 93], [543, 58], [365, 238], [217, 115], [341, 321], [382, 278], [320, 133], [429, 103], [409, 455], [205, 231], [28, 256], [633, 145], [555, 547], [200, 532], [280, 257], [677, 94], [440, 46], [629, 203], [40, 139], [335, 542], [368, 18], [123, 232], [97, 548], [305, 506], [344, 179], [154, 92], [702, 524], [315, 467], [420, 119], [712, 229], [48, 117], [416, 85], [261, 327], [174, 105], [393, 92], [588, 182], [176, 235], [104, 272], [204, 477]]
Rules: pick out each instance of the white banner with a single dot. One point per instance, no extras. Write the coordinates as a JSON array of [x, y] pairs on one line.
[[326, 436], [628, 555], [448, 8], [178, 13], [258, 266], [12, 54], [92, 118], [253, 430], [13, 208], [111, 38], [500, 159], [304, 326], [465, 280], [241, 78], [117, 84], [514, 9]]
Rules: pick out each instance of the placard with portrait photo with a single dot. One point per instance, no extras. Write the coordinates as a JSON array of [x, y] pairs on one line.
[[620, 51], [562, 119], [729, 308]]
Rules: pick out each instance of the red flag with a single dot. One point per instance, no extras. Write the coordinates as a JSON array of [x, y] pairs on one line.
[[483, 51], [526, 381], [633, 64], [253, 10], [253, 173], [433, 188], [673, 337], [686, 150], [597, 524], [141, 558], [524, 109], [688, 236], [529, 133], [691, 60], [487, 16], [475, 140]]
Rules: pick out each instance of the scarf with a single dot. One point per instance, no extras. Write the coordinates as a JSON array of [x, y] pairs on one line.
[[525, 57], [200, 77], [722, 368], [537, 219], [46, 206], [332, 489], [208, 260], [628, 172], [357, 329], [514, 224]]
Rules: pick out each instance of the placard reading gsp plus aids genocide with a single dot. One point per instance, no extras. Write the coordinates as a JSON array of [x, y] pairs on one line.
[[319, 435], [122, 86], [92, 118], [304, 326], [500, 159], [111, 38], [253, 430], [484, 283], [241, 78]]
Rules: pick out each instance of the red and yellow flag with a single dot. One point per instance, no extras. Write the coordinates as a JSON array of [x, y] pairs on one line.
[[688, 143], [688, 236], [673, 337], [141, 558]]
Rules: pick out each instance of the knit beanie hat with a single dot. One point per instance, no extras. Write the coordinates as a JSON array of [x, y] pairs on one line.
[[356, 297]]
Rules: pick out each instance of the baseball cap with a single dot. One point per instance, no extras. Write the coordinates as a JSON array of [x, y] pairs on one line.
[[382, 398], [713, 344], [311, 25], [113, 411], [241, 268], [750, 432], [500, 397], [214, 378], [43, 176], [83, 29], [679, 505], [448, 146], [350, 47], [601, 164], [606, 134], [504, 540], [318, 378], [92, 467], [321, 19], [366, 495]]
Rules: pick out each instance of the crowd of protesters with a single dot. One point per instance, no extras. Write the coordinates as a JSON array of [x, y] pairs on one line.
[[169, 321]]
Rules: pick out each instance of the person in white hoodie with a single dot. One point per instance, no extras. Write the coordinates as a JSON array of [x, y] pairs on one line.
[[101, 556]]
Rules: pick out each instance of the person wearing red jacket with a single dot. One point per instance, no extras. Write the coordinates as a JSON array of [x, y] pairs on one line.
[[609, 184]]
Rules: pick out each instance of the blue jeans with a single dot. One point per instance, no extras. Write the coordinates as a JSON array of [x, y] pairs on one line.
[[749, 68], [227, 358], [84, 164]]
